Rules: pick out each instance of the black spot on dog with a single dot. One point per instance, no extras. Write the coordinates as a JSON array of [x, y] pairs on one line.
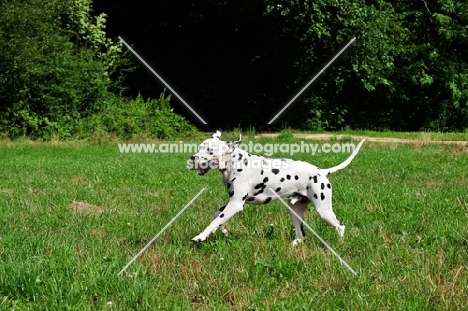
[[275, 171], [278, 189], [228, 185], [328, 186], [315, 196], [221, 216], [260, 185], [240, 157], [246, 162], [231, 193], [261, 173], [233, 179], [245, 197], [267, 200], [265, 179], [222, 208], [259, 191], [310, 177], [322, 196], [315, 179], [296, 177], [307, 188], [322, 186], [288, 177], [250, 199], [239, 170], [282, 179], [302, 230]]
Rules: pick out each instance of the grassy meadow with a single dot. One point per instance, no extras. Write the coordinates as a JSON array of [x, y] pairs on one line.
[[73, 214]]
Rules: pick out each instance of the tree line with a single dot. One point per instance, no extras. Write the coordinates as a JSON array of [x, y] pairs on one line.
[[406, 71], [64, 74], [61, 76]]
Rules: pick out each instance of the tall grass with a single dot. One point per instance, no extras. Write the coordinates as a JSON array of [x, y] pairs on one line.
[[73, 214]]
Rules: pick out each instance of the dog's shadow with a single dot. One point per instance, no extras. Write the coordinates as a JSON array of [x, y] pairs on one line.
[[219, 240]]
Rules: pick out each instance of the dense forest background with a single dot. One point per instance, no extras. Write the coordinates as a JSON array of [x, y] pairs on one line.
[[64, 73]]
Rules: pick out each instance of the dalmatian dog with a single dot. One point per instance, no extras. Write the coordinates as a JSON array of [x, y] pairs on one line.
[[252, 179]]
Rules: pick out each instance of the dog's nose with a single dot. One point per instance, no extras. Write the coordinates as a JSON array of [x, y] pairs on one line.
[[193, 158]]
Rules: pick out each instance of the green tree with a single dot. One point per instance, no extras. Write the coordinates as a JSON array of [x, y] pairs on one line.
[[405, 71], [55, 66]]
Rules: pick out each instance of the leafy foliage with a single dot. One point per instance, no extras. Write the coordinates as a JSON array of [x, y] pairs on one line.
[[133, 117], [406, 69], [58, 71]]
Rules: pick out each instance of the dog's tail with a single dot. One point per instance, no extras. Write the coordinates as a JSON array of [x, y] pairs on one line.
[[346, 162]]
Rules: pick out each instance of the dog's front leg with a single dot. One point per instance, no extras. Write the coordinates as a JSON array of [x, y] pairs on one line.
[[221, 227], [231, 208]]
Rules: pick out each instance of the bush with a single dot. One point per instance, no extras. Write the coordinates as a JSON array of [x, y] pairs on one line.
[[127, 118], [48, 80], [60, 77]]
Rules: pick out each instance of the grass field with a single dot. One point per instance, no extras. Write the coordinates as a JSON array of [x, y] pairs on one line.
[[73, 214]]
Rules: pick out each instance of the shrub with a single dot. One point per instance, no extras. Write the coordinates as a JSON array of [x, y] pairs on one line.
[[127, 118], [60, 77]]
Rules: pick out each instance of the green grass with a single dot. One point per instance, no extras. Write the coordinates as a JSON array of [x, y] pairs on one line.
[[405, 207], [427, 136]]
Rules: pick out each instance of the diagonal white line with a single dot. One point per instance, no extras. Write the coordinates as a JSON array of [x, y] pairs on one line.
[[159, 233], [313, 79], [162, 80], [315, 233]]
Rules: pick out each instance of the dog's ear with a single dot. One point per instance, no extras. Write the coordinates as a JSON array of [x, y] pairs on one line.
[[233, 145], [217, 134]]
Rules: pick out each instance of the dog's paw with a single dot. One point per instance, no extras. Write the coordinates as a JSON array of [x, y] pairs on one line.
[[199, 238], [296, 242], [341, 230]]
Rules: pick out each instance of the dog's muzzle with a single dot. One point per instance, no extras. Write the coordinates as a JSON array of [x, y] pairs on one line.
[[203, 166]]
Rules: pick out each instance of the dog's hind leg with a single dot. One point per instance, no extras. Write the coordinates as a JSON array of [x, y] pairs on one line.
[[299, 208], [321, 196]]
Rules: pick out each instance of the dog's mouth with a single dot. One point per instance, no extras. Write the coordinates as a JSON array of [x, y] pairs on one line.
[[202, 167], [202, 171]]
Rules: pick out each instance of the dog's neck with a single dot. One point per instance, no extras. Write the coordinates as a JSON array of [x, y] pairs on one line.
[[225, 164]]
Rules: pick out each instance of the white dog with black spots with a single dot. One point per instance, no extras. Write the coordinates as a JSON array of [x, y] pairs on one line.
[[250, 179]]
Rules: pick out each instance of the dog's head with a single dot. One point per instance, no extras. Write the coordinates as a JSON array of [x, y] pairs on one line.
[[212, 154]]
